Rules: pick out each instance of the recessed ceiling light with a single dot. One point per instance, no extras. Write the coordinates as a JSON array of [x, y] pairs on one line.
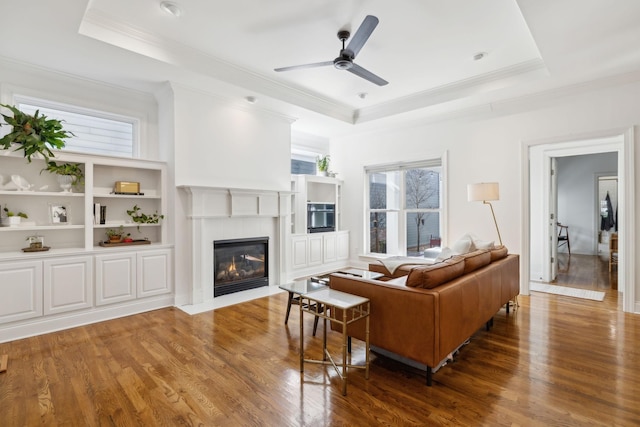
[[171, 8], [251, 99], [480, 55], [362, 95]]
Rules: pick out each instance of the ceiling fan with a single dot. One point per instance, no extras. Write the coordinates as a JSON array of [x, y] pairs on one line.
[[348, 54]]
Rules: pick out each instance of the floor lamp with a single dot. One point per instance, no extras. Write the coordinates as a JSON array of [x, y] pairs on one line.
[[484, 192]]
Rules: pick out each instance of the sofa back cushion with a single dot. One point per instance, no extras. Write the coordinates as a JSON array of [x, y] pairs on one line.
[[430, 276], [499, 252], [476, 259]]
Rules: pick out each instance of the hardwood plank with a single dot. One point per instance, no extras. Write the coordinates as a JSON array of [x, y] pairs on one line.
[[555, 361]]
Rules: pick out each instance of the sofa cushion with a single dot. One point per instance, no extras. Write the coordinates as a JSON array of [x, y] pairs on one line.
[[476, 260], [433, 275], [499, 252]]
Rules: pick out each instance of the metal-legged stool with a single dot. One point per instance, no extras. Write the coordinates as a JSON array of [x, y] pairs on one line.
[[563, 237]]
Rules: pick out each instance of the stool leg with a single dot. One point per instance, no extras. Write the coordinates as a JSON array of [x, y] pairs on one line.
[[315, 321], [286, 318]]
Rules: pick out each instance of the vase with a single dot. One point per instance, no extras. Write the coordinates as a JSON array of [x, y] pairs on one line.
[[11, 221], [66, 182]]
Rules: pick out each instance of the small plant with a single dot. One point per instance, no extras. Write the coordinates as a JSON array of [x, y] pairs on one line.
[[70, 169], [11, 213], [116, 234], [113, 232], [33, 134], [323, 163], [142, 218]]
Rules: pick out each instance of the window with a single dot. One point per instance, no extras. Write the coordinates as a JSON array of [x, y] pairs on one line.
[[95, 132], [404, 207]]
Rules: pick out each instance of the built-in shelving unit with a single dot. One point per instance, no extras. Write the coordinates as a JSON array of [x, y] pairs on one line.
[[77, 281], [315, 253]]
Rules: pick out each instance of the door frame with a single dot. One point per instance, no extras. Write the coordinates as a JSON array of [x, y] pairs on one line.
[[618, 140]]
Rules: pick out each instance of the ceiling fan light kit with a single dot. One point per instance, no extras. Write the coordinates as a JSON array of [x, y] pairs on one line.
[[171, 8], [347, 54]]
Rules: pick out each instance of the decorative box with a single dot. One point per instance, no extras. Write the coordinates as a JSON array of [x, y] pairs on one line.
[[127, 187]]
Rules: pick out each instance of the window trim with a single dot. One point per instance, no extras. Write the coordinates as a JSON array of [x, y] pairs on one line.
[[436, 161]]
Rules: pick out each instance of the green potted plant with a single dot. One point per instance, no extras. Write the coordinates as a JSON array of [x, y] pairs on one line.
[[11, 218], [34, 134], [69, 174], [115, 234], [323, 164], [142, 218]]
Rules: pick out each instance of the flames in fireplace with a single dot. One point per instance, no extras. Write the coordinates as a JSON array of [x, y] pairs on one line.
[[247, 266], [240, 264]]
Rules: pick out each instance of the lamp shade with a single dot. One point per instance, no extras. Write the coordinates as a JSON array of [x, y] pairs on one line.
[[483, 191]]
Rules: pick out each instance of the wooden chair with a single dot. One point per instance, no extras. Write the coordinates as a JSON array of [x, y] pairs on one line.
[[563, 237], [434, 241], [613, 250]]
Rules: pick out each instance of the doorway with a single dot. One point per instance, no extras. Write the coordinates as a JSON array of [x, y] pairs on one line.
[[536, 220]]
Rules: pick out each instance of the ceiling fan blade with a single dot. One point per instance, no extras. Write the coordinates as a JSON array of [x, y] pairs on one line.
[[367, 75], [300, 67], [362, 35]]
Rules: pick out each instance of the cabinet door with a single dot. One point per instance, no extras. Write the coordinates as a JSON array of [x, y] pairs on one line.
[[299, 251], [68, 284], [315, 249], [342, 245], [115, 278], [329, 243], [20, 290], [153, 273]]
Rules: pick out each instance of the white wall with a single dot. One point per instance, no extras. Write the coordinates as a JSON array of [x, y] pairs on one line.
[[221, 145], [484, 149], [578, 198]]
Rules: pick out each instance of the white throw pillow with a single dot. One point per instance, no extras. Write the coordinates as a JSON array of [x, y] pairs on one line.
[[484, 244], [463, 246], [445, 254]]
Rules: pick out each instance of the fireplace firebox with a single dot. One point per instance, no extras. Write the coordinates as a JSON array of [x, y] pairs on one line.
[[240, 264]]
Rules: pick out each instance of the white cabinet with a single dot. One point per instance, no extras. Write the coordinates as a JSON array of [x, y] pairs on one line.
[[342, 245], [115, 277], [315, 249], [153, 273], [126, 276], [318, 253], [329, 247], [299, 251], [68, 284], [21, 290]]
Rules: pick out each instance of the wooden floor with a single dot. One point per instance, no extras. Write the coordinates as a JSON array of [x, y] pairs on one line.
[[556, 361], [586, 272]]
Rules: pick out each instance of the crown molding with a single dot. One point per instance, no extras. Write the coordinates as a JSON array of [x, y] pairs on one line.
[[498, 79]]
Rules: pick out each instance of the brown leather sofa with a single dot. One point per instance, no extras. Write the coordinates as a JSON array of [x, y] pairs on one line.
[[438, 307]]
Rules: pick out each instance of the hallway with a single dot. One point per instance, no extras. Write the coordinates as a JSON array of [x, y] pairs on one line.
[[586, 272]]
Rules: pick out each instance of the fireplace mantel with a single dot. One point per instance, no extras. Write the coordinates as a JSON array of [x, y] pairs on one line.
[[212, 202], [216, 213]]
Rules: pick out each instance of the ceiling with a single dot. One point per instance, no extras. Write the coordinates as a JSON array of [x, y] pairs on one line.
[[424, 48]]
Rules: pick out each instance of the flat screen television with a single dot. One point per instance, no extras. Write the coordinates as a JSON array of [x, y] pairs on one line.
[[321, 217]]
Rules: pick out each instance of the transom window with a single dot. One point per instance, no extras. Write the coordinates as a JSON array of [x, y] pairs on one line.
[[95, 132], [404, 207]]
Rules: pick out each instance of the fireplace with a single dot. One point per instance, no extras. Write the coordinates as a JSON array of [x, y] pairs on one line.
[[240, 264]]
